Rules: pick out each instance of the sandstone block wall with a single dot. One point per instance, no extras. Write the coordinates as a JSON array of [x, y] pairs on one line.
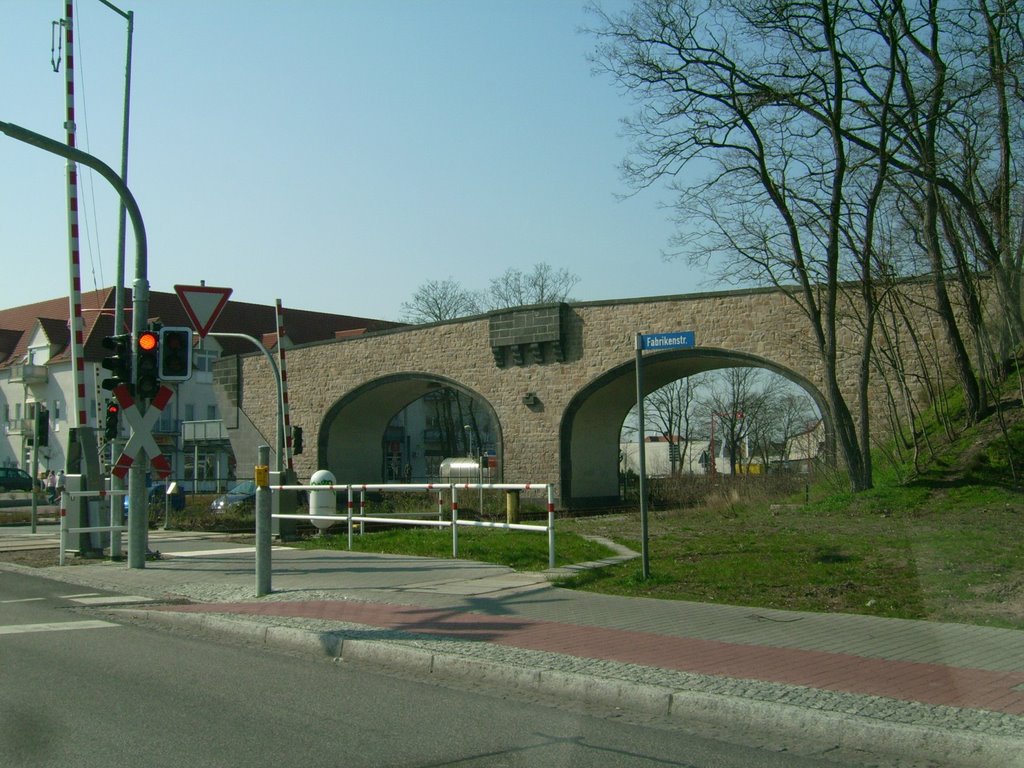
[[596, 338]]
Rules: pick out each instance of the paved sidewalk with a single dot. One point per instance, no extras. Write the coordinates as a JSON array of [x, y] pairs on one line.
[[951, 693]]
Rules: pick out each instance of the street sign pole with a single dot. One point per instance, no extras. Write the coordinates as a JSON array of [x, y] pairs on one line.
[[657, 342], [277, 382], [642, 456], [138, 515]]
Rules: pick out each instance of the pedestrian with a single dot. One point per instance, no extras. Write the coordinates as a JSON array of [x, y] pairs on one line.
[[51, 486], [60, 485]]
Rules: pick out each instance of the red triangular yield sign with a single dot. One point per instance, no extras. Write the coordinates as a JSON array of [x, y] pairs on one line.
[[203, 304]]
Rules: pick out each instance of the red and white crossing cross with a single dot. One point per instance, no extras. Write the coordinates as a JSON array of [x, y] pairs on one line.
[[142, 431]]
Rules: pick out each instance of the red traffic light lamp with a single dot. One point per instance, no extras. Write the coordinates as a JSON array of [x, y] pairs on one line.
[[147, 365], [111, 423], [148, 341]]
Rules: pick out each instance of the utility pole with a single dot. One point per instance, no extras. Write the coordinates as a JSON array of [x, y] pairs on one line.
[[116, 443]]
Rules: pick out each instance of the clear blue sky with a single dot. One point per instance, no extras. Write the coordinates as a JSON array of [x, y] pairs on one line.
[[335, 154]]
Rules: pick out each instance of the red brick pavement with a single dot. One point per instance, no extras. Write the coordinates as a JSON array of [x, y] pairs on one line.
[[927, 683]]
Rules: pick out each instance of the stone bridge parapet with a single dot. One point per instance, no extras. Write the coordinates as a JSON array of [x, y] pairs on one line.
[[558, 379]]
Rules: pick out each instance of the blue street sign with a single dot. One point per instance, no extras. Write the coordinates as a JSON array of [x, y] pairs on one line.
[[674, 340]]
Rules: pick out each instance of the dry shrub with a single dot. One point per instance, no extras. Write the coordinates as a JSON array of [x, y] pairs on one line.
[[721, 492]]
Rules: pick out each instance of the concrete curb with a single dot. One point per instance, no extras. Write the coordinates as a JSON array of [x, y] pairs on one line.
[[952, 747]]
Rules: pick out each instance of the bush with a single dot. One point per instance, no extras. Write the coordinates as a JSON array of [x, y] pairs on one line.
[[196, 516], [720, 491]]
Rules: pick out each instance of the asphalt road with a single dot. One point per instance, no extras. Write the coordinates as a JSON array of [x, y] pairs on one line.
[[78, 687]]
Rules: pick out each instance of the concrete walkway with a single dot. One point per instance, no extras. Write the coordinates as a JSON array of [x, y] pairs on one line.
[[946, 692]]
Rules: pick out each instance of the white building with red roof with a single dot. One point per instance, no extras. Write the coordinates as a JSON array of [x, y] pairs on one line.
[[36, 377]]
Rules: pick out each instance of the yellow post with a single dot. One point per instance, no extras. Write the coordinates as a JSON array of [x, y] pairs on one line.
[[511, 506]]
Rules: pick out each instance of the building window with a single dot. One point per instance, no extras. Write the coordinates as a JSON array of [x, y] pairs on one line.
[[203, 361], [211, 413], [166, 423]]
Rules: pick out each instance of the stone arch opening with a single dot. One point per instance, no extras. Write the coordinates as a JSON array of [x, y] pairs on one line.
[[353, 438], [590, 427]]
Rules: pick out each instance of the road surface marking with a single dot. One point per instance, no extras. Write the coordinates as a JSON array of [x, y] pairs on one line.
[[203, 552], [111, 599], [22, 600], [60, 626]]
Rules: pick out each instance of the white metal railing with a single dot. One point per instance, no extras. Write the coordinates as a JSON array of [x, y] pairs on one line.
[[66, 529], [453, 522]]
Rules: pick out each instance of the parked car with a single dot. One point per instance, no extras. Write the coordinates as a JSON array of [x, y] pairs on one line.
[[155, 497], [242, 496], [14, 479]]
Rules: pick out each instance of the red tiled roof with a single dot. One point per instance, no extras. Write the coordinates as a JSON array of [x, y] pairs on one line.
[[255, 320]]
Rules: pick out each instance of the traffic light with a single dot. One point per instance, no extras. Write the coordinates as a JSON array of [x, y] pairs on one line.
[[42, 436], [175, 354], [119, 362], [296, 441], [111, 423], [147, 365]]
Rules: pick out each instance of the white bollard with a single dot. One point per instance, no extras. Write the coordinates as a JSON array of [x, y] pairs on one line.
[[322, 502]]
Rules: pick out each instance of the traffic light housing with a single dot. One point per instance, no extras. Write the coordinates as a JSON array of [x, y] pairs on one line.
[[110, 426], [175, 354], [147, 365], [42, 436], [296, 441], [119, 362]]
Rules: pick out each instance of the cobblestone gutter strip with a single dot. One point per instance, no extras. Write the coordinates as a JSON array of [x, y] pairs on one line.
[[949, 735]]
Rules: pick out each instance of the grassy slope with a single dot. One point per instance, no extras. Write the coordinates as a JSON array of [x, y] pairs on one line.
[[944, 545]]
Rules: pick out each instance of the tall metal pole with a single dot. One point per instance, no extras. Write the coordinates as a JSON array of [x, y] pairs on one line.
[[79, 422], [284, 458], [116, 444], [263, 521], [81, 418], [129, 16], [137, 524], [277, 382], [642, 455]]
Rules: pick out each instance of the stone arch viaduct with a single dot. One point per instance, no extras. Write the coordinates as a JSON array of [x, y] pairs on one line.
[[557, 379]]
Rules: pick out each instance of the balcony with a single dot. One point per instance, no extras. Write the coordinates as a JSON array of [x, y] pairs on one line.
[[27, 373], [19, 427]]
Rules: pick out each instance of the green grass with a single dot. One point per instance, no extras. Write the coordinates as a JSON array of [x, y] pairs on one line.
[[521, 550], [943, 547], [941, 541]]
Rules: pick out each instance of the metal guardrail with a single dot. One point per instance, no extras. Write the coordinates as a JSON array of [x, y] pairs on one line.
[[350, 517]]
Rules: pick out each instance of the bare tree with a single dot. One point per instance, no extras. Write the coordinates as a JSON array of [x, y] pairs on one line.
[[792, 414], [440, 300], [542, 285], [737, 402], [758, 93], [670, 411]]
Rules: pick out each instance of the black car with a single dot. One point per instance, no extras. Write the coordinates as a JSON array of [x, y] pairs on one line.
[[13, 479], [241, 497]]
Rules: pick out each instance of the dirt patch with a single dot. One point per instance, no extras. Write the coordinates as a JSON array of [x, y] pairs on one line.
[[1004, 601], [39, 558]]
